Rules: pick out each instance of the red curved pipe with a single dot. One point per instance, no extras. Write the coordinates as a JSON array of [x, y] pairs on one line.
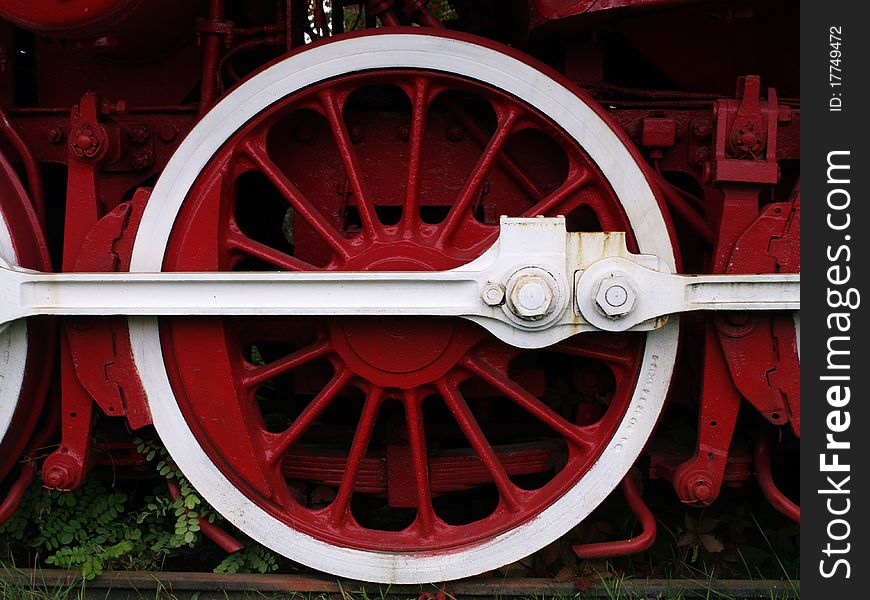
[[31, 167], [28, 471], [220, 537], [16, 492], [765, 480], [425, 18], [638, 543]]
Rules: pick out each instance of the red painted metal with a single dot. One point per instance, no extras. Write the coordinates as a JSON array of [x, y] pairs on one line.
[[17, 210], [224, 540], [46, 432], [765, 480], [31, 167], [404, 415], [129, 28], [330, 140], [100, 348], [638, 543], [13, 497]]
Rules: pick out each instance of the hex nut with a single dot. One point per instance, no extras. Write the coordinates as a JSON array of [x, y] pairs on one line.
[[492, 294], [531, 297], [616, 296]]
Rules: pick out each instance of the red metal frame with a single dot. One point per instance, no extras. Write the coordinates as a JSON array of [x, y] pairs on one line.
[[725, 166]]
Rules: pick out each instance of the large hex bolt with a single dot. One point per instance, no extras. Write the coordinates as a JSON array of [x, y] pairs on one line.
[[531, 297], [616, 296]]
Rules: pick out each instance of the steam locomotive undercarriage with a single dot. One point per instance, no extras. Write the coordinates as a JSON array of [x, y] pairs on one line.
[[405, 290]]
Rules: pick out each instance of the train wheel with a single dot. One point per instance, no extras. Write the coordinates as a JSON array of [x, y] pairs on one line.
[[25, 351], [395, 449]]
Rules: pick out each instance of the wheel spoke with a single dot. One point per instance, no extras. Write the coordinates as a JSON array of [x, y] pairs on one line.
[[563, 200], [282, 442], [235, 240], [519, 176], [258, 375], [604, 213], [596, 348], [479, 173], [474, 434], [419, 461], [419, 116], [357, 452], [355, 177], [530, 404], [297, 200]]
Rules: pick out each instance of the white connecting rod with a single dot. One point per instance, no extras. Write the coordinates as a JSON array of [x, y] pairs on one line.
[[157, 294], [520, 289], [618, 294]]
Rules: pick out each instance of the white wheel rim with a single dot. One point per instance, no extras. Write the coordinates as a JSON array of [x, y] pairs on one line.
[[13, 347], [478, 63]]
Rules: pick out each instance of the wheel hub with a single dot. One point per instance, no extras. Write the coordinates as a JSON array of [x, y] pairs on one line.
[[401, 352]]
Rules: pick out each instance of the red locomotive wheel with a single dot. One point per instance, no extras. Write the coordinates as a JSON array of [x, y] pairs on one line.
[[25, 348], [395, 449]]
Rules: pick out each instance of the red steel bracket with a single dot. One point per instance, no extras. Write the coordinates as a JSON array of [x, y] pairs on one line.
[[745, 149], [101, 347]]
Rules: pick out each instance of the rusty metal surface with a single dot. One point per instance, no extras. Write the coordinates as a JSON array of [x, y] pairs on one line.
[[142, 584]]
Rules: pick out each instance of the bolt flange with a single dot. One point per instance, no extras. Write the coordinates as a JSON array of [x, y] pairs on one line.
[[616, 297], [532, 294]]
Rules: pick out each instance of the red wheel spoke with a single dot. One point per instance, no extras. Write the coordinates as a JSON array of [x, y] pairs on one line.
[[282, 442], [591, 346], [297, 200], [474, 434], [354, 171], [563, 200], [419, 117], [239, 241], [603, 212], [531, 404], [420, 461], [355, 455], [514, 172], [258, 375], [478, 174]]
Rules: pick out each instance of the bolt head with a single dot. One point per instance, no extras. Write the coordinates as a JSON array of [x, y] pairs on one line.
[[616, 296], [55, 135], [141, 158], [703, 490], [531, 297], [702, 128], [455, 132], [493, 294], [139, 134], [168, 132]]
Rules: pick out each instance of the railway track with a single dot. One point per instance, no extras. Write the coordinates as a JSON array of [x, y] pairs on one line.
[[121, 585]]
